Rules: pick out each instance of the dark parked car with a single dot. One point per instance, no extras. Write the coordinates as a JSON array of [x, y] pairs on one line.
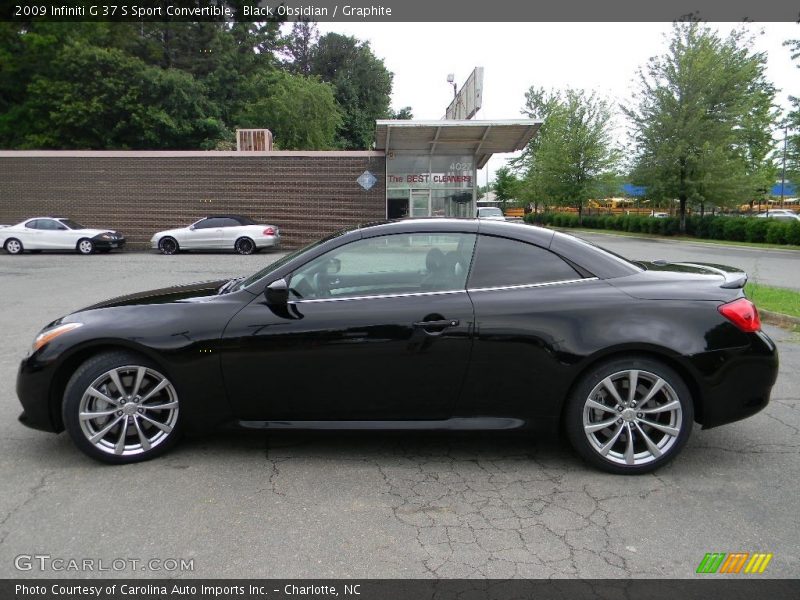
[[405, 325]]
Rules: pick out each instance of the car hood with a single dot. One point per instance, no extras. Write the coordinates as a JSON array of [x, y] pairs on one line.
[[176, 231], [663, 280], [179, 293], [94, 232]]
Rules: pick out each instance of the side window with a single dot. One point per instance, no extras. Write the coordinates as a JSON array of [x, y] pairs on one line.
[[391, 264], [33, 224], [204, 224], [49, 225], [228, 223], [502, 262]]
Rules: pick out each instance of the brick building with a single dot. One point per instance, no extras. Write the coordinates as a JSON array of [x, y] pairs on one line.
[[418, 168]]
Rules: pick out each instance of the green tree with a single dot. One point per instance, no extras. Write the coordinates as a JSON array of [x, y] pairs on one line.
[[403, 114], [572, 158], [300, 111], [99, 98], [298, 46], [362, 84], [506, 185], [702, 120], [793, 124]]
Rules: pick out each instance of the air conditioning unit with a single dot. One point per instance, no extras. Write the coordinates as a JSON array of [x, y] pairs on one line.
[[253, 140]]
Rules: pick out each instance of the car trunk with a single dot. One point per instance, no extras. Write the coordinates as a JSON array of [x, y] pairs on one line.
[[661, 280]]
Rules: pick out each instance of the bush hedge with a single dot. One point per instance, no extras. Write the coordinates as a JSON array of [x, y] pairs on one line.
[[738, 229]]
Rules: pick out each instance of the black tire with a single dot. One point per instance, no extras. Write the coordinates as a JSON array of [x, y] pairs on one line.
[[659, 434], [244, 245], [85, 246], [92, 373], [168, 245], [13, 246]]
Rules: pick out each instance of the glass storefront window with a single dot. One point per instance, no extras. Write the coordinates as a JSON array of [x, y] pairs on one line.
[[439, 185]]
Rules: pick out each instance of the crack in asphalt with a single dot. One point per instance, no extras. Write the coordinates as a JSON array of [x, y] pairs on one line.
[[32, 494]]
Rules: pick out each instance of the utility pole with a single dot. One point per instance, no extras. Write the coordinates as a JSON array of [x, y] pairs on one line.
[[783, 170]]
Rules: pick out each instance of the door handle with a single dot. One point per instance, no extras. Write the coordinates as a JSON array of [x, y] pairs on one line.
[[437, 325]]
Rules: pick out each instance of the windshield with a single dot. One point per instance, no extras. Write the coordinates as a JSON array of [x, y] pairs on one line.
[[71, 224], [282, 261], [490, 211]]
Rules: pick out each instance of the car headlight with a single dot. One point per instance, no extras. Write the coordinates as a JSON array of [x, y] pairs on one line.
[[48, 335], [106, 236]]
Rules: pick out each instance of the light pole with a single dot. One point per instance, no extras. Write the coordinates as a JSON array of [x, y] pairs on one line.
[[783, 169], [451, 78]]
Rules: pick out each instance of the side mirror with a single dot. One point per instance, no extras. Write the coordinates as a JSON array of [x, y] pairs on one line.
[[191, 227], [277, 293]]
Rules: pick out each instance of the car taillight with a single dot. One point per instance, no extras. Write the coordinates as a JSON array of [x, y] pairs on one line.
[[269, 231], [743, 314]]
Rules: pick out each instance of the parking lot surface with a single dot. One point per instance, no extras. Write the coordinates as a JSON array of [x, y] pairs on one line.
[[300, 505]]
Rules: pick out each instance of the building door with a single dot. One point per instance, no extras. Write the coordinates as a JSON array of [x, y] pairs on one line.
[[420, 203]]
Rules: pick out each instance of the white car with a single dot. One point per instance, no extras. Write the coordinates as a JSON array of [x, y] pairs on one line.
[[218, 232], [57, 233], [491, 213], [779, 213]]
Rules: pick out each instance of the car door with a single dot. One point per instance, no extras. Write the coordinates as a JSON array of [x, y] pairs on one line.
[[32, 237], [529, 305], [200, 235], [377, 329], [58, 235]]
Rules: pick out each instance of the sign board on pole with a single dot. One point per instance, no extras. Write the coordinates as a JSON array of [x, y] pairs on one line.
[[468, 100]]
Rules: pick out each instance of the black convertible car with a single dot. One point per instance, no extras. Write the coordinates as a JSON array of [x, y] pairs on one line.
[[427, 324]]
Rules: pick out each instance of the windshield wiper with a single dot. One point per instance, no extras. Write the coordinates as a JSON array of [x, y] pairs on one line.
[[228, 286]]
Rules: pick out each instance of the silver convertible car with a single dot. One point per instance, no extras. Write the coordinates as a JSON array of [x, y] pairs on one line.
[[218, 232]]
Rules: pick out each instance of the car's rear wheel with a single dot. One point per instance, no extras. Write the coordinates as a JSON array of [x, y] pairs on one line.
[[168, 245], [14, 246], [85, 246], [119, 408], [629, 415], [244, 246]]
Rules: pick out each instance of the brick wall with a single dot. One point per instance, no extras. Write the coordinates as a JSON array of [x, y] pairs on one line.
[[307, 195]]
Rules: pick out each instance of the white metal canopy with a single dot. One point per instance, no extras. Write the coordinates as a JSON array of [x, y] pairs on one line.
[[477, 138]]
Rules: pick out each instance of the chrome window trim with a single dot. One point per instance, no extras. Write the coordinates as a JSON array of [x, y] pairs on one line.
[[378, 296], [531, 285]]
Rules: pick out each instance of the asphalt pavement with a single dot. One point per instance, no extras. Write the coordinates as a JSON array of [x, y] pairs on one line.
[[405, 505]]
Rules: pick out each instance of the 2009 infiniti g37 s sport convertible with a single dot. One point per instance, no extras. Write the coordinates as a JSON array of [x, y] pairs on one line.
[[428, 324]]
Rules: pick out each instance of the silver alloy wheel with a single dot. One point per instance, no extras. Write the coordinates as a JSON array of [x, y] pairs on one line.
[[85, 247], [13, 246], [632, 417], [128, 410]]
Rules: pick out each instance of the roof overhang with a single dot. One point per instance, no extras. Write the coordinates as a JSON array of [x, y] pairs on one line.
[[478, 138]]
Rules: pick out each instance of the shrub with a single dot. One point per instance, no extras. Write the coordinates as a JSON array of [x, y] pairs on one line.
[[734, 229], [793, 233], [777, 232], [716, 228], [756, 230]]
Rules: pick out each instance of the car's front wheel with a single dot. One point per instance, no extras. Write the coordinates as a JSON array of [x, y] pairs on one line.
[[13, 246], [85, 246], [630, 415], [119, 408], [168, 245], [244, 246]]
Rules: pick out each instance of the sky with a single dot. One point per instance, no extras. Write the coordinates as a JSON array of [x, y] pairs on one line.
[[603, 57]]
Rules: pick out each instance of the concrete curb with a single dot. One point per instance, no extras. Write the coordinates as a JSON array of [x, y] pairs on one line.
[[779, 319]]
